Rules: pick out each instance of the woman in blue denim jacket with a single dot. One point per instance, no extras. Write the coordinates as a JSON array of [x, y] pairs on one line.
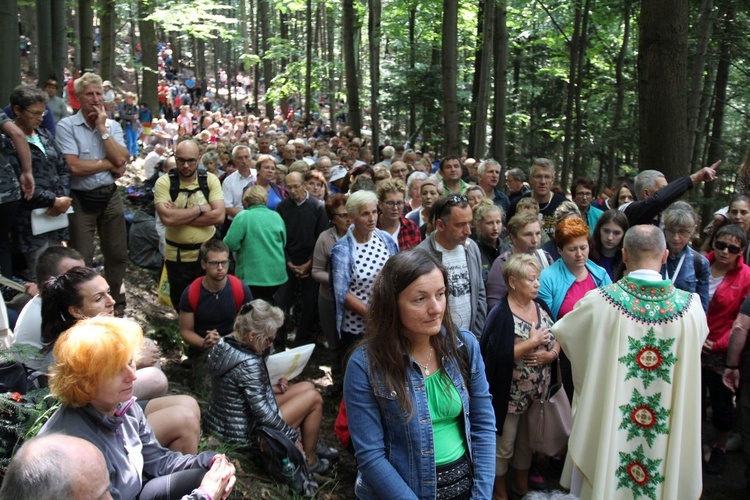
[[417, 399], [688, 270]]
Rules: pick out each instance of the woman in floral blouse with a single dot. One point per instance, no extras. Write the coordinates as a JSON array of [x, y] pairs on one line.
[[518, 348]]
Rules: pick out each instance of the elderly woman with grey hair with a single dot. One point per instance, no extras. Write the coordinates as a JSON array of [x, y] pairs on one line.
[[413, 187], [356, 259], [258, 237], [245, 398]]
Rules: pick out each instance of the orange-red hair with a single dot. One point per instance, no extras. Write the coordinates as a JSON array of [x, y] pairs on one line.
[[90, 353], [570, 229]]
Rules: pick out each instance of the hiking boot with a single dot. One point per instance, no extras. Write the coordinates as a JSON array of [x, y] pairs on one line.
[[327, 452], [717, 463]]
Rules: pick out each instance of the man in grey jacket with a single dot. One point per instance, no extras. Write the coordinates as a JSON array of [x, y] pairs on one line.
[[462, 260]]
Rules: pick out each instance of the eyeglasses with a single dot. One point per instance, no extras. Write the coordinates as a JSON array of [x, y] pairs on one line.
[[394, 204], [188, 161], [682, 233], [342, 215], [733, 249], [584, 194], [540, 177], [37, 114], [218, 263]]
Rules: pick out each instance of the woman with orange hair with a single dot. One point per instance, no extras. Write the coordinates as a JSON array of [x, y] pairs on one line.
[[93, 378], [571, 277]]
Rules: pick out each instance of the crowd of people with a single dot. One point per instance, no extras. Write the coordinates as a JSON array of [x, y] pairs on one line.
[[445, 298]]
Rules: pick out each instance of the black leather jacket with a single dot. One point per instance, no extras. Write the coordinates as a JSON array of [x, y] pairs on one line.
[[242, 394]]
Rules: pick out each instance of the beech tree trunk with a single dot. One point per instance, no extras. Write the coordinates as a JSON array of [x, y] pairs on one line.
[[481, 84], [44, 39], [149, 57], [374, 32], [696, 78], [107, 35], [662, 87], [501, 83], [59, 43], [619, 97], [349, 22], [308, 61], [86, 32], [449, 63]]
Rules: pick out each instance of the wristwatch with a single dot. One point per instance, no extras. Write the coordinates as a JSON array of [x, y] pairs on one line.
[[106, 136]]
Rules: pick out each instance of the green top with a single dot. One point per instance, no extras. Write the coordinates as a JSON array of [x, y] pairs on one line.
[[445, 408]]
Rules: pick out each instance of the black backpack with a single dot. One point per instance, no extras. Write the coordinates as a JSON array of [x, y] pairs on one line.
[[275, 446], [174, 185]]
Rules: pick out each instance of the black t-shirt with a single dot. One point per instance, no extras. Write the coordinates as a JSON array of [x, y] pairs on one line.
[[215, 311]]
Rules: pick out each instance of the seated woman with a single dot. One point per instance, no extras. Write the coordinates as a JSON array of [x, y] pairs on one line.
[[93, 377], [518, 349], [244, 397], [81, 293], [417, 399], [605, 248]]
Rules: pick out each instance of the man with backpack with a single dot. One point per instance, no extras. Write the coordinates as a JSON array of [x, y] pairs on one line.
[[209, 305], [190, 204]]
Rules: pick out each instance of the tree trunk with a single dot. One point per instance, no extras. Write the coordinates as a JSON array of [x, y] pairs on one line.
[[501, 83], [412, 127], [349, 21], [10, 58], [176, 44], [73, 25], [86, 32], [43, 40], [263, 13], [330, 14], [662, 85], [619, 96], [243, 28], [149, 57], [703, 121], [59, 43], [570, 98], [449, 63], [108, 35], [715, 149], [580, 115], [696, 78], [308, 62], [374, 32], [481, 84]]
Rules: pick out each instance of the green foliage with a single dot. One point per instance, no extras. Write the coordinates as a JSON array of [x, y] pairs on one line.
[[168, 336], [202, 19], [21, 418]]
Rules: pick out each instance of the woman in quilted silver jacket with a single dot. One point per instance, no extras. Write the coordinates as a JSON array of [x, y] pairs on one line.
[[244, 397]]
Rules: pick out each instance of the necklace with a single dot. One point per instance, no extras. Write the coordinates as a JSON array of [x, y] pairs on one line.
[[551, 195], [426, 366]]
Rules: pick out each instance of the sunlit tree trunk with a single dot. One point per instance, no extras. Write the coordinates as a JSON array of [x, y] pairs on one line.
[[149, 56]]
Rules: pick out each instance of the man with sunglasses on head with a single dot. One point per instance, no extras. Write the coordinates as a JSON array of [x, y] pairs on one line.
[[451, 245], [94, 149], [189, 214]]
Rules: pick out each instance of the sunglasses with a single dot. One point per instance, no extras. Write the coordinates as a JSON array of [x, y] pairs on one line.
[[733, 249], [246, 308], [451, 201]]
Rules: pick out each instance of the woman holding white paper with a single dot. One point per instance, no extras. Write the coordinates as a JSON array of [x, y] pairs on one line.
[[51, 175], [244, 397]]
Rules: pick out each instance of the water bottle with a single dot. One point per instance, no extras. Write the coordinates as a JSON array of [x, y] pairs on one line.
[[287, 470]]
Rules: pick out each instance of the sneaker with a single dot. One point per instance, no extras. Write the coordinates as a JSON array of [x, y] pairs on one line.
[[320, 466], [327, 452], [717, 463]]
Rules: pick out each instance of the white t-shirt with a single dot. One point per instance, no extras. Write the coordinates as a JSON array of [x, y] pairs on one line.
[[459, 284]]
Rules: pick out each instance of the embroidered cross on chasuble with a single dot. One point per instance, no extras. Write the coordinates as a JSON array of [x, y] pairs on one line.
[[635, 350]]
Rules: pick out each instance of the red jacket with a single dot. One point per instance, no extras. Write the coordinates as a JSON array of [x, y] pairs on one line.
[[726, 302]]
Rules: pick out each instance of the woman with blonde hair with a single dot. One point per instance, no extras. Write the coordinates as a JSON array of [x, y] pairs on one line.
[[258, 237], [244, 397]]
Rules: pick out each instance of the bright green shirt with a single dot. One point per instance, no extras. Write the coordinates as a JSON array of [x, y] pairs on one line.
[[445, 408]]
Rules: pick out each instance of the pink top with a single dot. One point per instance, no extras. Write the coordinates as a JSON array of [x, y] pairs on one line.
[[575, 293]]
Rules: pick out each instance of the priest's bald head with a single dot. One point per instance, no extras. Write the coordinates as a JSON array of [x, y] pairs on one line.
[[644, 247]]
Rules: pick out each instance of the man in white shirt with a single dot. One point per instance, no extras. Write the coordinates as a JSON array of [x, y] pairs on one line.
[[237, 182]]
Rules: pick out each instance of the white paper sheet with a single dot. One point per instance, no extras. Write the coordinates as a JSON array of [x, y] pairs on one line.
[[288, 364]]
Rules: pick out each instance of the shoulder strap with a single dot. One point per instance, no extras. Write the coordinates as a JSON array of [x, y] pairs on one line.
[[697, 263], [194, 293], [174, 185], [237, 292], [203, 183], [542, 258]]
